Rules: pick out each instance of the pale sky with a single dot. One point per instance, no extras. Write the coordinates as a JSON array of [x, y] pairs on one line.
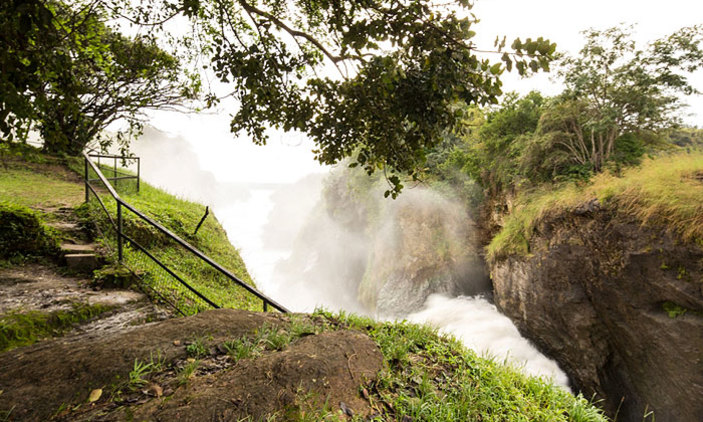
[[561, 21]]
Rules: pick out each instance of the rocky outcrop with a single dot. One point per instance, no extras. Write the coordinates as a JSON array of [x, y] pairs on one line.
[[56, 379], [363, 252], [618, 304], [424, 244]]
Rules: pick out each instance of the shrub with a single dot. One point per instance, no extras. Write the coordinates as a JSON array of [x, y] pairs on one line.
[[22, 233]]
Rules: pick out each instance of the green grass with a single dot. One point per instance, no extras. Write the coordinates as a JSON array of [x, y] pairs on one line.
[[430, 377], [197, 348], [675, 310], [39, 187], [25, 328], [666, 191], [34, 180], [24, 235], [142, 369], [181, 217], [272, 337], [188, 371]]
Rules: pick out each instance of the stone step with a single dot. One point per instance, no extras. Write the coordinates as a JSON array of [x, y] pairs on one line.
[[78, 249], [82, 262], [64, 226]]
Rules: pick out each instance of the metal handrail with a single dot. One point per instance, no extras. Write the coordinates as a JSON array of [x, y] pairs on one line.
[[122, 236], [125, 176]]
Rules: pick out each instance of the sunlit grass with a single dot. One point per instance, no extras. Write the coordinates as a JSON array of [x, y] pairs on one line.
[[29, 187], [433, 377], [180, 217], [667, 190]]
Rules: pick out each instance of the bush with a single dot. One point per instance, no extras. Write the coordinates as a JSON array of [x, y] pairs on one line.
[[22, 233]]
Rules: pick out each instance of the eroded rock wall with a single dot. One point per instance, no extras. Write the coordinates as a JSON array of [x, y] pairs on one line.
[[619, 305]]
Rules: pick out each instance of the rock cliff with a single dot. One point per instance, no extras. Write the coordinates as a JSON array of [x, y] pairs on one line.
[[618, 304]]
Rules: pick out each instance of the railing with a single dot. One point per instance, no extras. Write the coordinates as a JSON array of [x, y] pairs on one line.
[[196, 300], [115, 172]]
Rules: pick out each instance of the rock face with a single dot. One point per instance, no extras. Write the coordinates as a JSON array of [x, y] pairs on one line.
[[44, 381], [363, 252], [424, 244], [619, 305]]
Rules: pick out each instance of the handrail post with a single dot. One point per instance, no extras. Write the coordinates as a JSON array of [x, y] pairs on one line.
[[114, 169], [266, 305], [119, 231], [138, 172], [87, 191]]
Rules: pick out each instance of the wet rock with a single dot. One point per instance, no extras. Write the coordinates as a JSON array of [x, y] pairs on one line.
[[427, 245], [619, 305]]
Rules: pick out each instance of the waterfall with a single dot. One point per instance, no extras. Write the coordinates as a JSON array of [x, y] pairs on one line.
[[306, 254]]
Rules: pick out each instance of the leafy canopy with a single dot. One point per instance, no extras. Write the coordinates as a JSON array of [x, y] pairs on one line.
[[28, 39], [619, 100], [70, 75], [613, 88], [379, 80]]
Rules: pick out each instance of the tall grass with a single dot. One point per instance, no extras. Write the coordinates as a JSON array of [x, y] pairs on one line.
[[666, 191]]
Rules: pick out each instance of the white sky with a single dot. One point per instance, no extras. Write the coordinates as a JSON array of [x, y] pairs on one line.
[[561, 21], [287, 158]]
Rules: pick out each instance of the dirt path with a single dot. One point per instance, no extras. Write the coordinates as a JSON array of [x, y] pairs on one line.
[[43, 288]]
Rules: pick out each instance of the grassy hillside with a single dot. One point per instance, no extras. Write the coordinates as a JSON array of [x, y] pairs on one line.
[[431, 377], [181, 217], [47, 184], [666, 190], [426, 377]]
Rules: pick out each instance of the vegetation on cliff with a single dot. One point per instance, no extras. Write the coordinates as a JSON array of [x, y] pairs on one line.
[[666, 191], [431, 377], [180, 217]]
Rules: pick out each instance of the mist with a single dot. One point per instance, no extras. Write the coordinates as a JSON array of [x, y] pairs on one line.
[[330, 239], [172, 164], [362, 252]]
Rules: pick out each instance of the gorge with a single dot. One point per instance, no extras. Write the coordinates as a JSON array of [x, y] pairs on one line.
[[615, 303]]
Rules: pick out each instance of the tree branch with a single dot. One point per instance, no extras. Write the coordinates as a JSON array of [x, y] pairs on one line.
[[293, 32]]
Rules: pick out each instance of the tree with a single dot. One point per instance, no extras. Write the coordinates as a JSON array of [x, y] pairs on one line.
[[614, 89], [380, 80], [93, 77], [493, 158], [28, 38]]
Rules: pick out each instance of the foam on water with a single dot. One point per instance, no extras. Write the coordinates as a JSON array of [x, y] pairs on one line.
[[478, 324]]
